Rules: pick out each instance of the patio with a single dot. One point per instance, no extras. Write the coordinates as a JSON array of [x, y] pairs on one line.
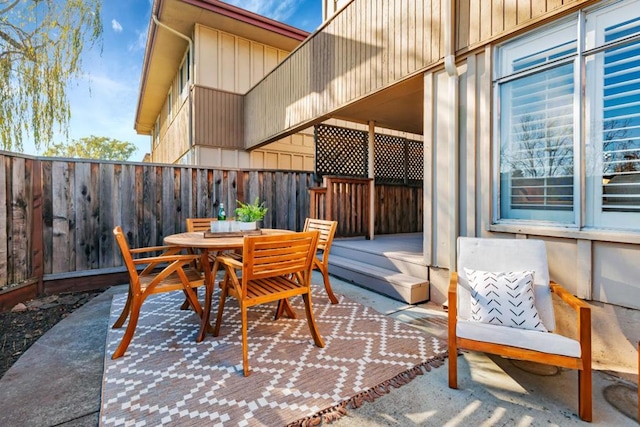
[[493, 391]]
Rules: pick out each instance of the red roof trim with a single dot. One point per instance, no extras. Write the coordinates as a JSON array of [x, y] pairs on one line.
[[250, 18]]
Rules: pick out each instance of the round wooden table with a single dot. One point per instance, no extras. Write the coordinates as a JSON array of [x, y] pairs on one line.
[[226, 242]]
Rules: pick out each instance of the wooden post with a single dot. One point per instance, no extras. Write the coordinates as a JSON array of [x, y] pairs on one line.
[[372, 185], [37, 228]]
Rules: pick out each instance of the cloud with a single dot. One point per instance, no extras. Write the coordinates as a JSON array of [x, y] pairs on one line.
[[139, 43], [115, 25], [280, 10]]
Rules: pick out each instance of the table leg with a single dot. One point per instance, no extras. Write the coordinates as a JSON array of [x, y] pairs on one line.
[[209, 283]]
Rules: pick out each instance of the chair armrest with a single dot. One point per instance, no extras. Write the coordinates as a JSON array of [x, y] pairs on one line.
[[452, 294], [229, 261], [170, 249], [584, 318], [452, 309], [573, 301], [166, 258]]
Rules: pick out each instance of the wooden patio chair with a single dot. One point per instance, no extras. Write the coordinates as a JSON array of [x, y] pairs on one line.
[[478, 299], [273, 268], [164, 273], [327, 231]]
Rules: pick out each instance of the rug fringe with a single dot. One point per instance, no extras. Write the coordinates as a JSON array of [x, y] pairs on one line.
[[335, 412]]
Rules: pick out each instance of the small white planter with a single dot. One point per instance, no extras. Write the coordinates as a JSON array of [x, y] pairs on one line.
[[248, 226]]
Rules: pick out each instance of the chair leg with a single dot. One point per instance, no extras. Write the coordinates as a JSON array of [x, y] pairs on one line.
[[245, 350], [223, 297], [585, 394], [136, 304], [327, 285], [317, 339], [453, 360], [125, 311], [192, 300]]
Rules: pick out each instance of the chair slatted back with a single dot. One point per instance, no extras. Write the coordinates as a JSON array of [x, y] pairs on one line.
[[326, 228], [278, 255], [199, 224]]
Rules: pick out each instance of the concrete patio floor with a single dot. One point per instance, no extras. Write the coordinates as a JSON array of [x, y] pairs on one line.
[[57, 382]]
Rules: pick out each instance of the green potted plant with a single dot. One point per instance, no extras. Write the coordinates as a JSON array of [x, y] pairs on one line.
[[249, 214]]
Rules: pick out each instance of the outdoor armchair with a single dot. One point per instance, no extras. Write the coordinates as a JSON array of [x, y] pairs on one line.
[[327, 231], [164, 273], [500, 303], [273, 268]]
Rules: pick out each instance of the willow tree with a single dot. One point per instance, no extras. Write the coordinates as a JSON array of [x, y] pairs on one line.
[[41, 43]]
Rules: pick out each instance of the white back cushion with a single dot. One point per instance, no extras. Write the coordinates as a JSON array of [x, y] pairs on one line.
[[502, 255]]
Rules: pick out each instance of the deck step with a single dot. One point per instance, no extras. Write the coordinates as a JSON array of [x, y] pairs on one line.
[[406, 262], [397, 285]]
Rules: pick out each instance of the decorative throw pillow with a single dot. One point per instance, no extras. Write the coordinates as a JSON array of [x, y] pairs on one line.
[[504, 299]]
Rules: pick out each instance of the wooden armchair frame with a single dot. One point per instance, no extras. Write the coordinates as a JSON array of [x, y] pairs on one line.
[[167, 272], [582, 363], [327, 231], [273, 268]]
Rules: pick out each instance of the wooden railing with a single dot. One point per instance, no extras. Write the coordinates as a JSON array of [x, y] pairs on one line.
[[57, 216], [398, 209], [345, 200]]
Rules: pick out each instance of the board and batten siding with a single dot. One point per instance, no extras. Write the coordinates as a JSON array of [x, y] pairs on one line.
[[217, 118], [231, 63], [371, 45]]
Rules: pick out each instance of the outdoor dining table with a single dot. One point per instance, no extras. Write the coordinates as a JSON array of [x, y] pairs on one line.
[[222, 242]]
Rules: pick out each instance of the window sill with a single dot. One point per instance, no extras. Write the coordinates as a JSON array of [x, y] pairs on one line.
[[602, 235]]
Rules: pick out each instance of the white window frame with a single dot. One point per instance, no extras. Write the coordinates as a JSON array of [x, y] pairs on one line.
[[588, 212]]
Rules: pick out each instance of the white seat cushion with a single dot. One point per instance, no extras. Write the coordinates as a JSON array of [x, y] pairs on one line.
[[545, 342]]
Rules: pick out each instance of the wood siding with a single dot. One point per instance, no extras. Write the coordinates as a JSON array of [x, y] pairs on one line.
[[372, 45], [231, 63], [218, 117], [484, 20]]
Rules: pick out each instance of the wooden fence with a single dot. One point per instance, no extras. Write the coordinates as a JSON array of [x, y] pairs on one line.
[[57, 216]]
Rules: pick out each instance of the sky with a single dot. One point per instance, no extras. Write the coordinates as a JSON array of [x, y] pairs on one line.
[[104, 100]]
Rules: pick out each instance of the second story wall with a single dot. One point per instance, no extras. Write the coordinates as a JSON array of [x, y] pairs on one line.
[[231, 63]]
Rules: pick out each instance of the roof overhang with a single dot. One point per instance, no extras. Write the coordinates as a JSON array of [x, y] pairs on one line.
[[164, 51]]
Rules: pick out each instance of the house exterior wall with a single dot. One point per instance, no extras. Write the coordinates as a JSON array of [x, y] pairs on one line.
[[357, 53], [225, 67], [597, 265]]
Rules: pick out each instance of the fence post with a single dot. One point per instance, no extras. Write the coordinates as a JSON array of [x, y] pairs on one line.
[[36, 227]]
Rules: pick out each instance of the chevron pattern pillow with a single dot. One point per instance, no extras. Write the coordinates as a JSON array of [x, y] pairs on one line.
[[504, 298]]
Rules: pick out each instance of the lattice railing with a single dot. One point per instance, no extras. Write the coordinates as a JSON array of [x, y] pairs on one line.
[[345, 152]]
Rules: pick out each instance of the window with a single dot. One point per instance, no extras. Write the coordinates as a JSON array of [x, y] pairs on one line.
[[183, 75], [553, 136], [169, 106], [156, 132]]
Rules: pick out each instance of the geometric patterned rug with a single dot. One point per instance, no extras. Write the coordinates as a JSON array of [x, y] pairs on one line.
[[166, 378]]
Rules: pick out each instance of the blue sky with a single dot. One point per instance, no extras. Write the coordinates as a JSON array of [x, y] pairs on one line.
[[104, 100]]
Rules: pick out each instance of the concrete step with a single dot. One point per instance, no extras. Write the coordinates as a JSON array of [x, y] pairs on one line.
[[403, 262], [388, 282]]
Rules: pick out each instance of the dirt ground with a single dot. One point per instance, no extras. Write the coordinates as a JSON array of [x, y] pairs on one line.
[[25, 323]]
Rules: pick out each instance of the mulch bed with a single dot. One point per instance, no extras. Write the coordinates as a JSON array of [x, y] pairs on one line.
[[26, 322]]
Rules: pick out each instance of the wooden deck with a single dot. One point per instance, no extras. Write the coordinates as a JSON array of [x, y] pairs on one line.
[[391, 264]]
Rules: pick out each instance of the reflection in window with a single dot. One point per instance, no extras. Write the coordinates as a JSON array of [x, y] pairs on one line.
[[537, 141], [621, 121]]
